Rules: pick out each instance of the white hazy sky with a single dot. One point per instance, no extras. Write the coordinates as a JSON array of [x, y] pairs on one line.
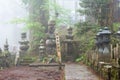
[[9, 10]]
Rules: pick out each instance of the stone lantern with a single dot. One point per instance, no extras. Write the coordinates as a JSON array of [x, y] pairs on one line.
[[23, 44], [103, 44], [106, 40]]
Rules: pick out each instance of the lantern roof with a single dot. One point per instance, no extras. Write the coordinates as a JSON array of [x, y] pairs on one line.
[[106, 31]]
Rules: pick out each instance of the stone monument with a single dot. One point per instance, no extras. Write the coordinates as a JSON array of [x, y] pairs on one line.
[[70, 46], [50, 41]]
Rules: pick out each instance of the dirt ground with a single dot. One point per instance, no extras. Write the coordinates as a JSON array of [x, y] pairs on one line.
[[30, 73]]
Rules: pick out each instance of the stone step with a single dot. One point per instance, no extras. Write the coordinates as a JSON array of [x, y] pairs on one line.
[[24, 64], [26, 61]]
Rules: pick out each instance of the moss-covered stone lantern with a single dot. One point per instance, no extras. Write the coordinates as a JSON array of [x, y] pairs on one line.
[[106, 40]]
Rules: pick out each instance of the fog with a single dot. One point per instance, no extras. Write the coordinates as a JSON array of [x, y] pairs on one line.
[[9, 10]]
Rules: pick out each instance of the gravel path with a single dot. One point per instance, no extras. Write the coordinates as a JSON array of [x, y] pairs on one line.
[[79, 72]]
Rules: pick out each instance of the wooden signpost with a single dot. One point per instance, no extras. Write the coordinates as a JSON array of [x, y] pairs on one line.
[[58, 48]]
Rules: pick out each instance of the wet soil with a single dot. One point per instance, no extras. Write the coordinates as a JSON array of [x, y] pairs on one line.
[[30, 73]]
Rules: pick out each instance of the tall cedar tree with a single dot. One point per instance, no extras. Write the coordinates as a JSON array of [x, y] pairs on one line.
[[98, 9], [38, 19]]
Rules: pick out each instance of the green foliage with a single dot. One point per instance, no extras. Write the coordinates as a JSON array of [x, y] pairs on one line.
[[49, 59], [116, 26], [58, 13], [83, 27], [30, 57], [36, 22], [98, 9], [92, 7], [38, 29], [86, 32], [81, 58]]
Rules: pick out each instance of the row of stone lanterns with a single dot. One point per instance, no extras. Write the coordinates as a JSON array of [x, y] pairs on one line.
[[103, 39], [108, 50]]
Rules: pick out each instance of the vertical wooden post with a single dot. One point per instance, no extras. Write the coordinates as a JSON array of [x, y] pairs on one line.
[[111, 48], [117, 53], [58, 49], [109, 73]]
